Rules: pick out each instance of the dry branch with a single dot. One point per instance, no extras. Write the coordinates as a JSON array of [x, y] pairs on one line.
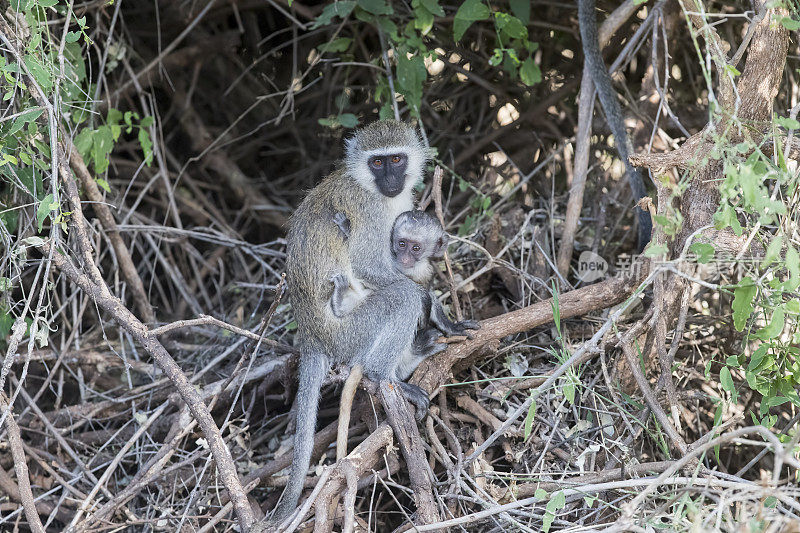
[[222, 455], [21, 468], [435, 371]]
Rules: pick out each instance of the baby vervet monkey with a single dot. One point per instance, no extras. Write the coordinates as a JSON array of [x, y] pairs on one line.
[[417, 237]]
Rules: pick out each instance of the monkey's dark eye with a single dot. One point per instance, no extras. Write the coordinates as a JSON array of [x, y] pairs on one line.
[[377, 162], [396, 159], [401, 244], [415, 247]]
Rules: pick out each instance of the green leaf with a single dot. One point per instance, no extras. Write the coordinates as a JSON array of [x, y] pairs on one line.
[[793, 266], [726, 380], [147, 121], [790, 23], [529, 418], [72, 36], [557, 501], [337, 45], [529, 72], [83, 142], [376, 7], [39, 73], [411, 74], [773, 251], [348, 120], [757, 357], [569, 391], [656, 250], [423, 20], [24, 118], [771, 502], [433, 6], [114, 116], [103, 143], [336, 9], [386, 112], [511, 26], [9, 219], [788, 123], [103, 184], [775, 401], [703, 251], [147, 145], [775, 326], [469, 12], [43, 210], [732, 71], [47, 3], [743, 302], [18, 6]]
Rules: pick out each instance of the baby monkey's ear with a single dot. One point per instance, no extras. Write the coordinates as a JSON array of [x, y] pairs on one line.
[[441, 245]]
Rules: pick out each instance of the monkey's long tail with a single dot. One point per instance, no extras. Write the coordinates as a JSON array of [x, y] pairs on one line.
[[608, 99], [311, 372]]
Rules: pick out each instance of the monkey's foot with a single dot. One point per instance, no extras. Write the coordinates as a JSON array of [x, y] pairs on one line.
[[460, 328], [418, 398]]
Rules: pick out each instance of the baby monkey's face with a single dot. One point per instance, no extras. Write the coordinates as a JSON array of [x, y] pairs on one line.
[[408, 251], [416, 237]]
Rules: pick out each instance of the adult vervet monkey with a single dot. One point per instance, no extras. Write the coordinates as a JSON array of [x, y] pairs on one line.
[[371, 187]]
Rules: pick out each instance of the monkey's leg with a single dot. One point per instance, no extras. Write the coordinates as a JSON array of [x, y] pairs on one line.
[[312, 370], [424, 346], [448, 327], [385, 326], [345, 408]]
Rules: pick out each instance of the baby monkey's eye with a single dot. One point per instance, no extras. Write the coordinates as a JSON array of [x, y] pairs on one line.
[[377, 162], [415, 247], [401, 244], [396, 159]]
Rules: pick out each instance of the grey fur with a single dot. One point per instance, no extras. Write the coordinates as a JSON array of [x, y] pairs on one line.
[[379, 331]]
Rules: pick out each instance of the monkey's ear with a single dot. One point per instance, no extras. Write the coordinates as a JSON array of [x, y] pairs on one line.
[[441, 245]]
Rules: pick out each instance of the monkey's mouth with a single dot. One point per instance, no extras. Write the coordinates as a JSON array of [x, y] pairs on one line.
[[390, 190], [406, 261]]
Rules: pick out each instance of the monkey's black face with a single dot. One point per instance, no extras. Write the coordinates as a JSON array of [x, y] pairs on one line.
[[389, 172], [407, 252]]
